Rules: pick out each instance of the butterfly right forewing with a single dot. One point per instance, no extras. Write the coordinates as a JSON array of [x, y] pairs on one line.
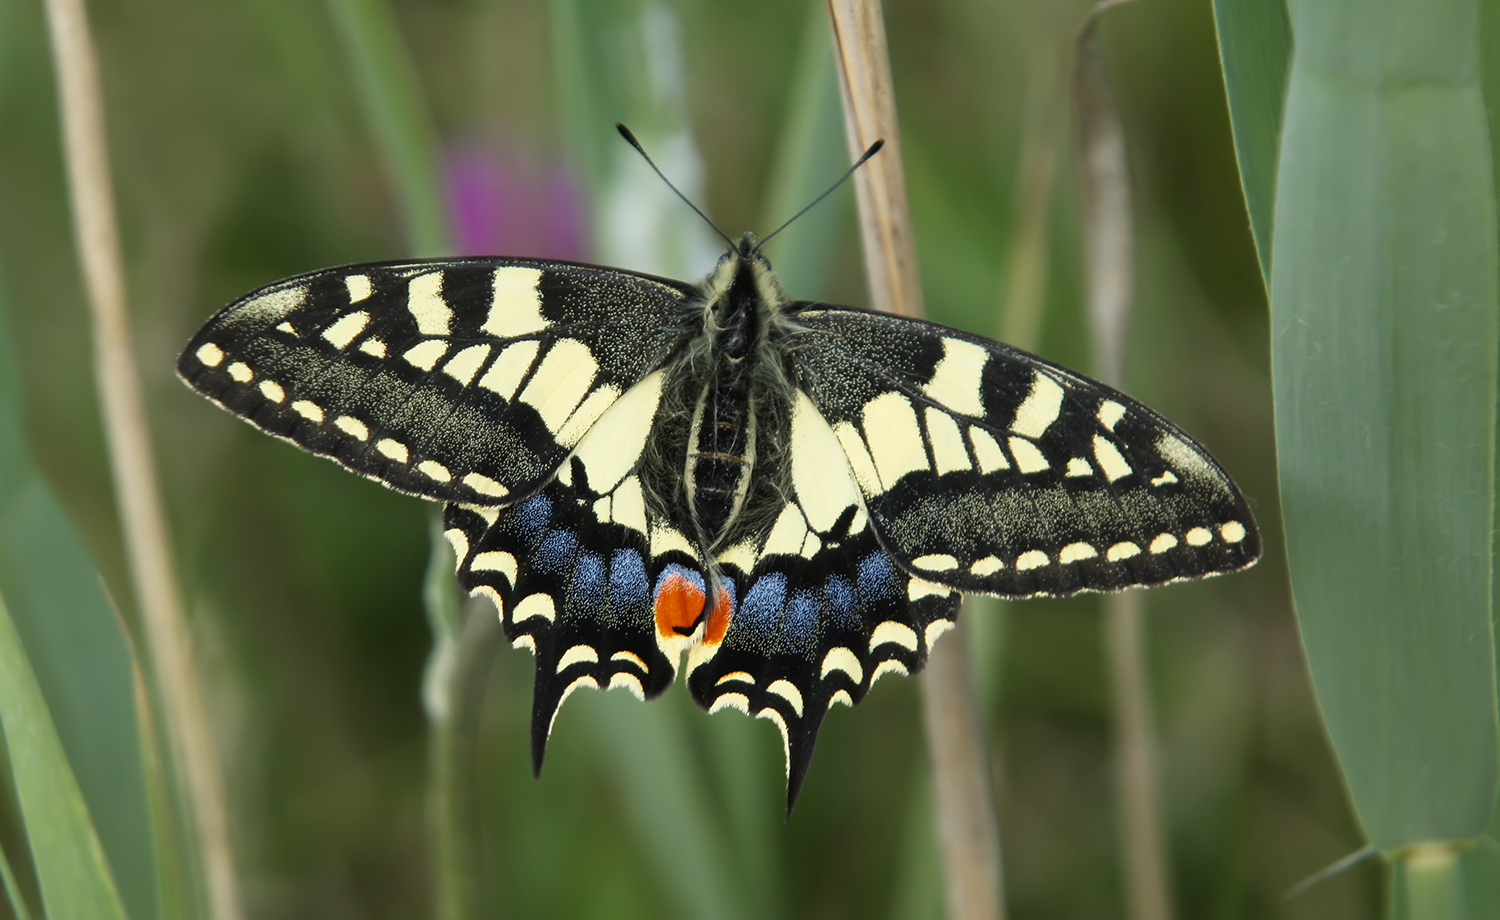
[[991, 470]]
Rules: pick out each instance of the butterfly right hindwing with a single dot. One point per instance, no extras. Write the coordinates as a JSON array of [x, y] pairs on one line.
[[462, 380], [814, 625], [819, 609]]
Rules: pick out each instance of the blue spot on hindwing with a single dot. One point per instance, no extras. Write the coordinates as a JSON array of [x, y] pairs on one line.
[[629, 588], [760, 614], [877, 578], [555, 555], [838, 601], [589, 591], [529, 520], [801, 627]]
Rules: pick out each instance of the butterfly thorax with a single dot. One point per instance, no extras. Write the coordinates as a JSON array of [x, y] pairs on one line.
[[728, 390]]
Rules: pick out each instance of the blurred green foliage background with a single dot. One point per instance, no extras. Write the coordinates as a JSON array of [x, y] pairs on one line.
[[241, 156]]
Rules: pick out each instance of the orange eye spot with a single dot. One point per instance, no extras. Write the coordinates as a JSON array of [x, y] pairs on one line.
[[679, 605], [719, 617]]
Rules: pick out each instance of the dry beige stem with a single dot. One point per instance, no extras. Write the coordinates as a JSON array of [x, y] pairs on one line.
[[962, 788], [1108, 211], [968, 832], [870, 115], [135, 482]]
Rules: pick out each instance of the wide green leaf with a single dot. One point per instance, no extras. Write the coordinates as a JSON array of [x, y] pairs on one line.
[[1254, 48], [1384, 350]]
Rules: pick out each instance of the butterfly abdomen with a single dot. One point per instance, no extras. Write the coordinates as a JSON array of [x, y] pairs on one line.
[[721, 455]]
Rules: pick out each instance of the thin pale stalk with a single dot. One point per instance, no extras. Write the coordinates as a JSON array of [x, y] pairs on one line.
[[1434, 883], [453, 831], [1142, 840], [464, 638], [1328, 872], [1108, 211], [1109, 249], [1026, 262], [449, 832], [127, 433], [968, 832]]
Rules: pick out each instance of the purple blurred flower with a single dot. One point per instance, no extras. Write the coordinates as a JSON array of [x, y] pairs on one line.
[[505, 204]]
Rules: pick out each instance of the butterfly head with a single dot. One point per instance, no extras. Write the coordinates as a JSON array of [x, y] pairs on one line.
[[748, 247], [740, 295]]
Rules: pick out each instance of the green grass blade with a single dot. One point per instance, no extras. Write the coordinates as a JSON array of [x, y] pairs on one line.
[[1384, 332], [71, 869], [1254, 47], [392, 99], [812, 153], [621, 60], [650, 752], [1489, 74], [13, 894], [78, 648]]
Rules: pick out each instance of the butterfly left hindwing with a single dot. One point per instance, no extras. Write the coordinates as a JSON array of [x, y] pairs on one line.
[[599, 588]]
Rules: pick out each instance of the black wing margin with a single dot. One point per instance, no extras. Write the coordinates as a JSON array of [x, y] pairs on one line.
[[991, 470], [465, 380]]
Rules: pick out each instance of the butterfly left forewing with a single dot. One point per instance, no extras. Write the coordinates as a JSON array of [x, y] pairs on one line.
[[460, 380], [991, 470]]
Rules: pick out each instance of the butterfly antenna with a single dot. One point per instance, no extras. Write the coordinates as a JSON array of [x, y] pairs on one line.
[[630, 139], [874, 149]]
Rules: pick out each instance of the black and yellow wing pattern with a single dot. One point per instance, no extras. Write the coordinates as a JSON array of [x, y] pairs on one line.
[[782, 500]]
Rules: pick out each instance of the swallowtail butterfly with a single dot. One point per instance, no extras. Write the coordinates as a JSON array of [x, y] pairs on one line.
[[780, 499]]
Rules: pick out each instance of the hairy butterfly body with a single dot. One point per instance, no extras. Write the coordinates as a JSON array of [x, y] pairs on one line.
[[782, 499]]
